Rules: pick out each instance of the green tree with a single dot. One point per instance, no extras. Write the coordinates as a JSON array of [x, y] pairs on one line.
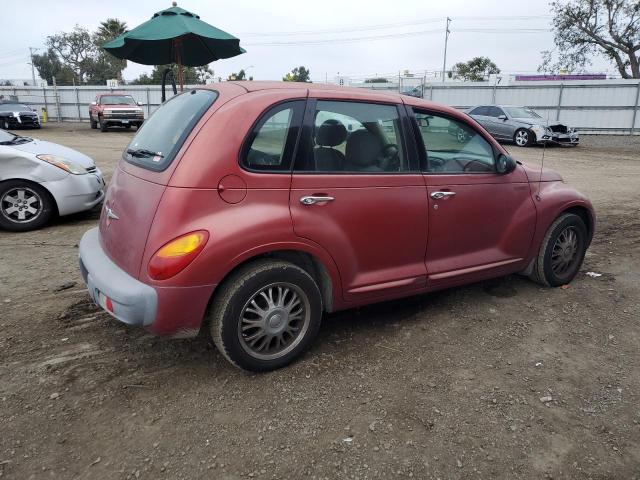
[[241, 75], [48, 65], [298, 74], [475, 70], [192, 75], [583, 28], [376, 80], [76, 50]]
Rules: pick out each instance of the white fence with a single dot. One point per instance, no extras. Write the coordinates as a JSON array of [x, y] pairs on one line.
[[593, 106]]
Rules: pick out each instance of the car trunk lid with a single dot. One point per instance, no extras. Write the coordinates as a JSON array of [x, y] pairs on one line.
[[126, 219]]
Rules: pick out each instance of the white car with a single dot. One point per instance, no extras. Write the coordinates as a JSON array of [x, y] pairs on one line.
[[41, 179]]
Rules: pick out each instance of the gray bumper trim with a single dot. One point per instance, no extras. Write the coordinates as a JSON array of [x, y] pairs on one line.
[[134, 302]]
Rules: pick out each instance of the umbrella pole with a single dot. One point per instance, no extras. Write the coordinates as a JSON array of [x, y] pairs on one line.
[[177, 51]]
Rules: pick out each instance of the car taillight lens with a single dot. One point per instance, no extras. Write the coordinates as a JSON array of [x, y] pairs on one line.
[[174, 256]]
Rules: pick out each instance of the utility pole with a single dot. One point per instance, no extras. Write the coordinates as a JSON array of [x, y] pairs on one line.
[[33, 72], [446, 39]]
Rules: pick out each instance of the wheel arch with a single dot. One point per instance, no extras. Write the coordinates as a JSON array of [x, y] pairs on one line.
[[38, 184], [587, 217]]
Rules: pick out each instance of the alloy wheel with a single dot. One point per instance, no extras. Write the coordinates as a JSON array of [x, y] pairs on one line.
[[21, 205], [565, 251], [522, 138], [274, 321]]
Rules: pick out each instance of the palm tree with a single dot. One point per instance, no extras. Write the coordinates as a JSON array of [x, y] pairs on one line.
[[111, 28], [108, 30]]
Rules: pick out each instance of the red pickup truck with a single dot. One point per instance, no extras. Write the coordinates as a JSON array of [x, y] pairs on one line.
[[115, 109]]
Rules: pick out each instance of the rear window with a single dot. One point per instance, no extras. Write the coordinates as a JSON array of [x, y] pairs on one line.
[[156, 144]]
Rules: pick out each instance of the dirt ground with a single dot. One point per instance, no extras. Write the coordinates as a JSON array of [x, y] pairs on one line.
[[448, 385]]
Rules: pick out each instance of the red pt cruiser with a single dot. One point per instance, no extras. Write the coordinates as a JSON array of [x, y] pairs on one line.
[[248, 209]]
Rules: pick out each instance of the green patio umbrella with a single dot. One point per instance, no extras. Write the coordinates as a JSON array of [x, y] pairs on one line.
[[175, 36]]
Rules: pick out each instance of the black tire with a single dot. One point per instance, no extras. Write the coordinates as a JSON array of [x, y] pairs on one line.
[[45, 205], [232, 299], [93, 123], [523, 137], [543, 271], [5, 124], [103, 124]]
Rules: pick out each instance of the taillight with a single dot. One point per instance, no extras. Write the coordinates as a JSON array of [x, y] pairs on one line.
[[174, 256]]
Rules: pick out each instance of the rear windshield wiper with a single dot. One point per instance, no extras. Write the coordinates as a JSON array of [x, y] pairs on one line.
[[143, 152]]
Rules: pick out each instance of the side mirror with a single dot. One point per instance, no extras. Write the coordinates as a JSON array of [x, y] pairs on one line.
[[423, 121], [502, 117], [93, 103], [505, 164]]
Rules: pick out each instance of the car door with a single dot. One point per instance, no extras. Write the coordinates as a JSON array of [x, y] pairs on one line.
[[357, 191], [481, 223], [479, 114], [500, 127]]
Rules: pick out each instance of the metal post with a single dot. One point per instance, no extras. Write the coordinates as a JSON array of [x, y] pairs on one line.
[[57, 99], [78, 104], [431, 92], [635, 110], [559, 102], [446, 40], [495, 87], [148, 103], [33, 72]]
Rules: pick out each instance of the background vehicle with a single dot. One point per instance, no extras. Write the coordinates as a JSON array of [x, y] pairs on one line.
[[115, 109], [41, 179], [17, 115], [522, 126], [249, 209]]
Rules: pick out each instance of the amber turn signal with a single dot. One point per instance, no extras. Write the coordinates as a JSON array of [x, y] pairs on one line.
[[174, 256]]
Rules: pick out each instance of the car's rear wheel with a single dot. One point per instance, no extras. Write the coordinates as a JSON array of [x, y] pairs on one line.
[[562, 251], [523, 137], [24, 206], [265, 315]]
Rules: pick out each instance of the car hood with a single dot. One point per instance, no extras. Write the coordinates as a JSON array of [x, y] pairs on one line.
[[40, 147], [548, 175], [538, 121]]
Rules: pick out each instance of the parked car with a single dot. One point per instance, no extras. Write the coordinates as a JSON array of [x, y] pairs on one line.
[[115, 109], [247, 209], [522, 125], [17, 115], [41, 179]]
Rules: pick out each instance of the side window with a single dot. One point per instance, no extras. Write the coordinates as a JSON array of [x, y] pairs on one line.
[[269, 146], [479, 111], [495, 112], [453, 146], [354, 137]]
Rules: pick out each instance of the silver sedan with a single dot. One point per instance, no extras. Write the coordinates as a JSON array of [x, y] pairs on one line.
[[522, 126], [41, 179]]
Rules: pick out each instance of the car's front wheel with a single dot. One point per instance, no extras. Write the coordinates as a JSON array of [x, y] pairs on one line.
[[103, 124], [5, 124], [24, 206], [523, 137], [93, 123], [561, 252], [265, 315]]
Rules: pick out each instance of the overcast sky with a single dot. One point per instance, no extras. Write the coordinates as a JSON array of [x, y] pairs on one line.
[[342, 30]]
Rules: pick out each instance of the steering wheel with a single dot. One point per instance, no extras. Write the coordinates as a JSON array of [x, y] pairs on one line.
[[388, 159]]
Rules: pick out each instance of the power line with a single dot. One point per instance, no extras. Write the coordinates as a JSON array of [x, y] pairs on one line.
[[345, 40], [347, 28]]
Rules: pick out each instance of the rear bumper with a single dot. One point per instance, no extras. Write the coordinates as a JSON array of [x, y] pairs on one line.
[[131, 301], [171, 311]]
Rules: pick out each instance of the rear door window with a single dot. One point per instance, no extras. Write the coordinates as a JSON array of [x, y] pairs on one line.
[[156, 144]]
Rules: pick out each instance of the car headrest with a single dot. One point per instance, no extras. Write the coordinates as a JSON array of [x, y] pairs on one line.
[[331, 133], [362, 148]]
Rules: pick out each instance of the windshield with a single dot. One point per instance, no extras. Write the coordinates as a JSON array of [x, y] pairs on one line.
[[13, 107], [156, 144], [117, 100], [521, 112], [6, 136]]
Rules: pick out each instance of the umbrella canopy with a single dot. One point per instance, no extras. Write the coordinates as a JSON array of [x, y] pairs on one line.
[[177, 36]]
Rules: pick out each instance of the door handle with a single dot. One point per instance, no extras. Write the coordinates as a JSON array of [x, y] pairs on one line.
[[440, 195], [313, 199]]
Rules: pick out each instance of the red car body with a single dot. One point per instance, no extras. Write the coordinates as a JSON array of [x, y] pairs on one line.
[[383, 238]]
